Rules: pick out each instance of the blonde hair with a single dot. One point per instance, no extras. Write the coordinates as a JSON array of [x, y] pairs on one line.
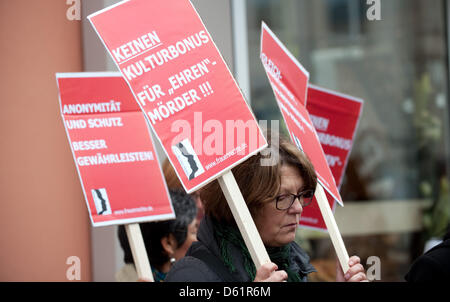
[[259, 184], [171, 176]]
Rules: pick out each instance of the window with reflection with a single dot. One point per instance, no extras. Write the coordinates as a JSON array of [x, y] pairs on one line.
[[398, 65]]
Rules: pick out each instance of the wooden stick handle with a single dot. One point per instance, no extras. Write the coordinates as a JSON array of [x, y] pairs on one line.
[[332, 227], [140, 257], [243, 219]]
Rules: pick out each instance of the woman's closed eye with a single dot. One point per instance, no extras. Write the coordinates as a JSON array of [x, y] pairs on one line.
[[307, 193], [283, 197]]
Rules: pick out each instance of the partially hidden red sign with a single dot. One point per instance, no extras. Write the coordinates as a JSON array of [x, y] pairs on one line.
[[283, 71], [335, 116], [182, 84], [113, 150]]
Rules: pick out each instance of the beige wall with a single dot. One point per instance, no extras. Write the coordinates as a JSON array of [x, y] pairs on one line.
[[107, 256], [43, 215]]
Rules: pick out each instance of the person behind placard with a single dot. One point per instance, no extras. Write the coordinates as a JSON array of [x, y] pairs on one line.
[[434, 265], [165, 241], [275, 196], [174, 183]]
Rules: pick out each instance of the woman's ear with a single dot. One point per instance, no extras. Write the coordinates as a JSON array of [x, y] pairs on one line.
[[169, 244]]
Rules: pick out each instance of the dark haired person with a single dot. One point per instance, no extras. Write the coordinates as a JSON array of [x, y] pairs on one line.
[[275, 196], [432, 266], [165, 241]]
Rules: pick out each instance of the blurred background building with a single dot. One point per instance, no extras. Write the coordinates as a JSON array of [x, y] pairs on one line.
[[396, 187]]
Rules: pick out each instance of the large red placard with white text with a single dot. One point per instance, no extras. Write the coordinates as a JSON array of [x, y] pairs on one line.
[[113, 150], [335, 116], [285, 72], [182, 84]]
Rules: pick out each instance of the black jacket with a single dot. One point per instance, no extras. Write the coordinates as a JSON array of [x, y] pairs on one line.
[[433, 266], [202, 262]]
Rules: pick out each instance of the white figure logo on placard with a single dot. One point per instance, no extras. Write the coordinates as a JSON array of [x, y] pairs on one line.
[[188, 159], [101, 201]]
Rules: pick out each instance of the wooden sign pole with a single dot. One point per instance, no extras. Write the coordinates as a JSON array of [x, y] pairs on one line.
[[243, 219], [140, 257], [332, 228]]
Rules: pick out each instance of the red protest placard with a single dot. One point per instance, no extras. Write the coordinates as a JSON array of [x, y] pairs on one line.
[[335, 116], [113, 151], [183, 85], [282, 66], [283, 72], [292, 106]]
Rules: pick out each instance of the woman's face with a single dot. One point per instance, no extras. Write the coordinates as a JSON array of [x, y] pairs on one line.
[[191, 236], [277, 228]]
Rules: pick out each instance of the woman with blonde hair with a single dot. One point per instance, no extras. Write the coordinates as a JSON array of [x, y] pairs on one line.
[[275, 196]]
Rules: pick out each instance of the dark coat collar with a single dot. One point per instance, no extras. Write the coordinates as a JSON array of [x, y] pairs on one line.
[[300, 260]]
